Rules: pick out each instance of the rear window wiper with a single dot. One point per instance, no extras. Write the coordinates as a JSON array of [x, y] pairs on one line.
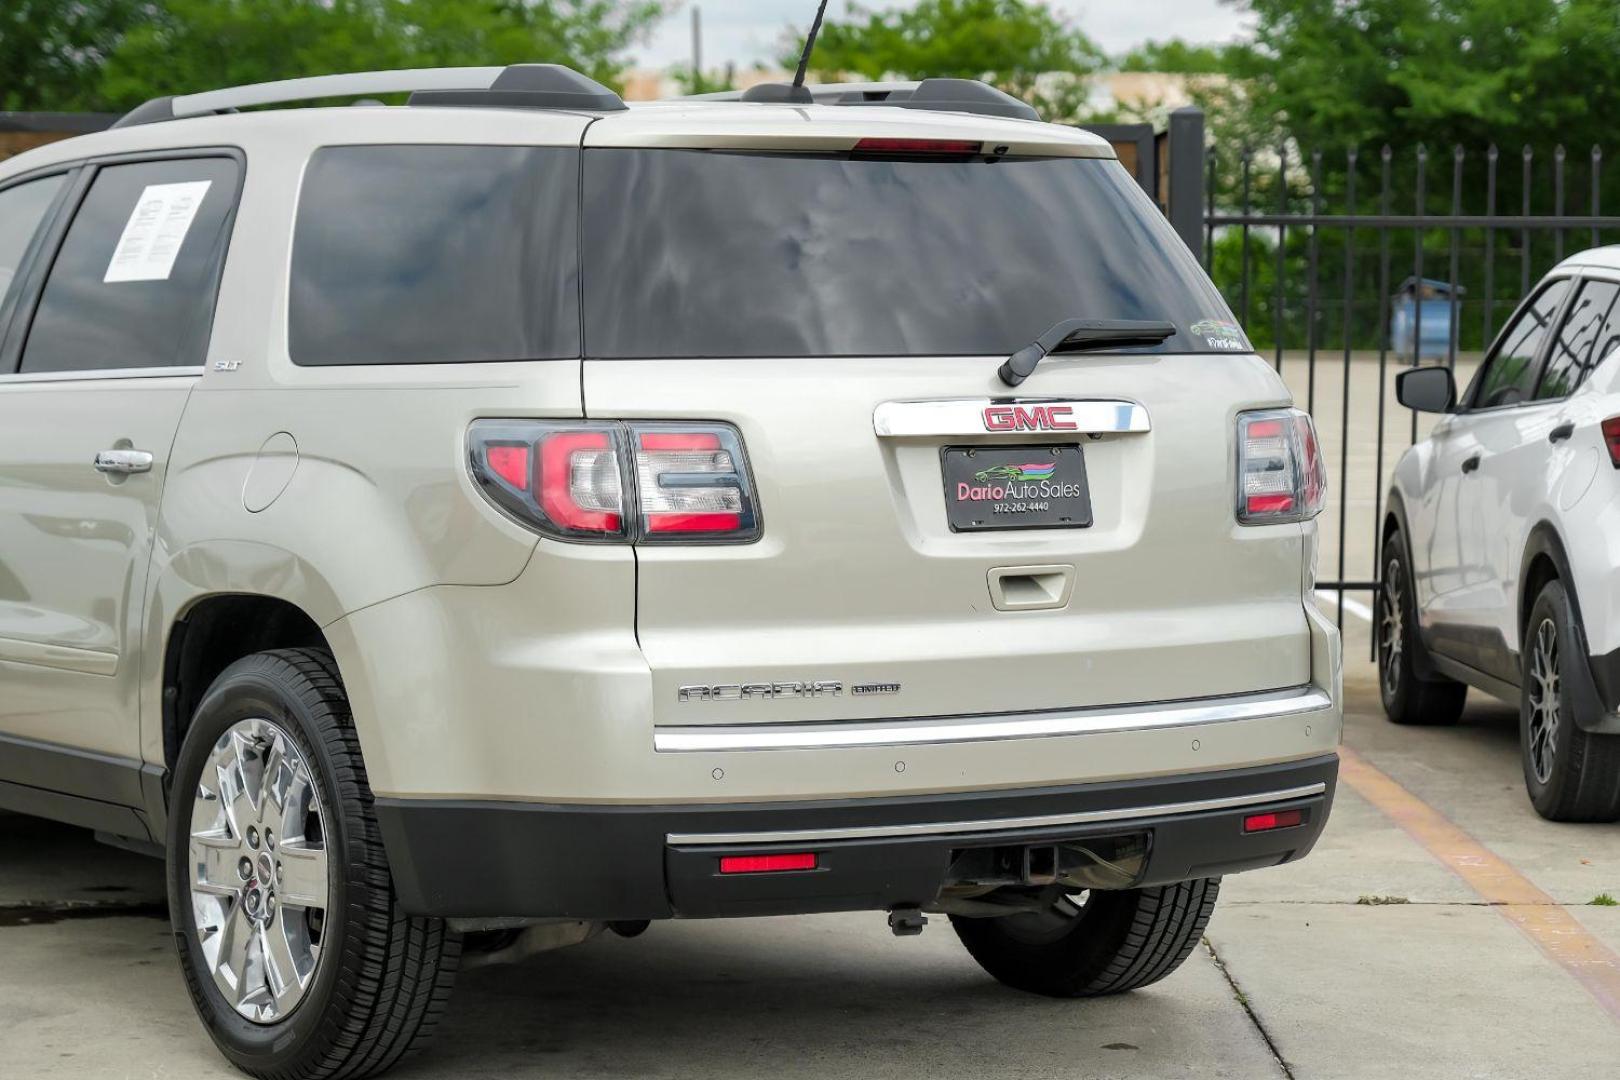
[[1081, 335]]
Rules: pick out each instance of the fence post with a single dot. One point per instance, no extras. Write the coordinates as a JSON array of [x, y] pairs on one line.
[[1186, 168]]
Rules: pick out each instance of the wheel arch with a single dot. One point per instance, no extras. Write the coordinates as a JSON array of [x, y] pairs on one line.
[[1544, 560], [207, 605], [210, 634], [1394, 520]]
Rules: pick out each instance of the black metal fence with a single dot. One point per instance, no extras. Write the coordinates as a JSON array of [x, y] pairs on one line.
[[1311, 248]]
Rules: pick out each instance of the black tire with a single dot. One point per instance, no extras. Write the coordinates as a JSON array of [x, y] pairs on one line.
[[1118, 940], [382, 979], [1411, 690], [1571, 774]]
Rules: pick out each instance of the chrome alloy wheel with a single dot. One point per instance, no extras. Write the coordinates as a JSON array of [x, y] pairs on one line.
[[1391, 628], [260, 880], [1544, 701]]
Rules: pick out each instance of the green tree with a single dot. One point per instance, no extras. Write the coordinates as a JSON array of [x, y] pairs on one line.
[[112, 54], [1010, 43], [196, 44], [1436, 71], [1176, 56], [51, 51]]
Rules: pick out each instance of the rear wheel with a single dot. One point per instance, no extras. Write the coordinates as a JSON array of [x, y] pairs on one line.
[[1098, 942], [297, 957], [1571, 774], [1408, 697]]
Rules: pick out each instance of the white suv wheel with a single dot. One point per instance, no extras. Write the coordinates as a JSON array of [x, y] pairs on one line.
[[1544, 701]]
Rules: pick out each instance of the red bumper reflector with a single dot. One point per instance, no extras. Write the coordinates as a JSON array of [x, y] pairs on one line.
[[767, 864], [1277, 819]]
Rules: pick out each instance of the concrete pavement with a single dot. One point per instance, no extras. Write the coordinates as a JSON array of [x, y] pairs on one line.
[[1369, 959]]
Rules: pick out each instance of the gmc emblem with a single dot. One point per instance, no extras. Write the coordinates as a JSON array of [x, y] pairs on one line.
[[1029, 418]]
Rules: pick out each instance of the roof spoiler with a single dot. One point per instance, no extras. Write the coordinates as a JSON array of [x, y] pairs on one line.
[[518, 86], [936, 95]]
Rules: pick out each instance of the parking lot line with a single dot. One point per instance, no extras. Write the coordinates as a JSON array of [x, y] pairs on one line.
[[1557, 933]]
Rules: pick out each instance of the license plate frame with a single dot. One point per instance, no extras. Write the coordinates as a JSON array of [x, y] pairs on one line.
[[980, 479]]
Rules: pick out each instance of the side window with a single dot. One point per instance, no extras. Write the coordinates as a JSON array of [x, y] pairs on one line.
[[436, 255], [1509, 376], [22, 209], [1587, 336], [133, 284]]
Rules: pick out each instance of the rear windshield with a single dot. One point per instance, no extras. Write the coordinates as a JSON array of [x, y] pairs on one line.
[[693, 253], [443, 254]]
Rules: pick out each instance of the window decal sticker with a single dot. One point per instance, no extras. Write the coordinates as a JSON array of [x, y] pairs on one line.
[[156, 228], [1220, 334]]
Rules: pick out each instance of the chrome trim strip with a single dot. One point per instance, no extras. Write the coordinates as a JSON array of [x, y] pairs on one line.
[[855, 733], [952, 828], [965, 416], [100, 373]]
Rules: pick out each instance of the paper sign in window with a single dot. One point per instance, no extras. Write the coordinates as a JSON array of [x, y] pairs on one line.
[[155, 231]]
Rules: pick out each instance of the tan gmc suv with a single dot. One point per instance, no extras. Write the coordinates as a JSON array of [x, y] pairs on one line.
[[508, 515]]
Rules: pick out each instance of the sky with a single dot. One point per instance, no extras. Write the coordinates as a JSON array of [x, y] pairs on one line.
[[746, 31]]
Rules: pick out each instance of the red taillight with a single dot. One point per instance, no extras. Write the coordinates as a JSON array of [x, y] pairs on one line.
[[1276, 819], [1269, 504], [767, 864], [510, 463], [1611, 439], [579, 481], [1280, 472], [926, 147], [669, 482], [691, 484]]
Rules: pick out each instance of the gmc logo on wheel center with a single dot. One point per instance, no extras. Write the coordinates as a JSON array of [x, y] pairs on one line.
[[1029, 418]]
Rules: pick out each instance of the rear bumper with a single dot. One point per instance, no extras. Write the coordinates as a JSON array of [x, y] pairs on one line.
[[534, 860]]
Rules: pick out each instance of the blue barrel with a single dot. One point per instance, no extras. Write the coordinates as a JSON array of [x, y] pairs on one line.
[[1433, 299]]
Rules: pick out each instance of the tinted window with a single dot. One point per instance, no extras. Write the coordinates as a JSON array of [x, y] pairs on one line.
[[134, 282], [1510, 375], [22, 208], [704, 253], [1587, 336], [436, 254]]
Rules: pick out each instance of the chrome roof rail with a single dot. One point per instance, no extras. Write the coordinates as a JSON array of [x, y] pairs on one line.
[[516, 86]]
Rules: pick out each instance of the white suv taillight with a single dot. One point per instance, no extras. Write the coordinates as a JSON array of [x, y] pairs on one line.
[[618, 482], [1611, 439], [1280, 473]]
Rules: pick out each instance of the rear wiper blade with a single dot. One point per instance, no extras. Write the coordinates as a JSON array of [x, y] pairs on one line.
[[1080, 335]]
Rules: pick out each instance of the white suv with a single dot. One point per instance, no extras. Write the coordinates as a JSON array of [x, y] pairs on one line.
[[513, 513], [1501, 558]]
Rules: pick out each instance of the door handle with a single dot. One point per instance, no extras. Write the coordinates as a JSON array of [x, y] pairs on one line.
[[1561, 432], [123, 462], [1470, 464]]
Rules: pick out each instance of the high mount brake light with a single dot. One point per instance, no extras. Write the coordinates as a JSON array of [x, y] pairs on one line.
[[921, 147], [1281, 476], [618, 482]]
